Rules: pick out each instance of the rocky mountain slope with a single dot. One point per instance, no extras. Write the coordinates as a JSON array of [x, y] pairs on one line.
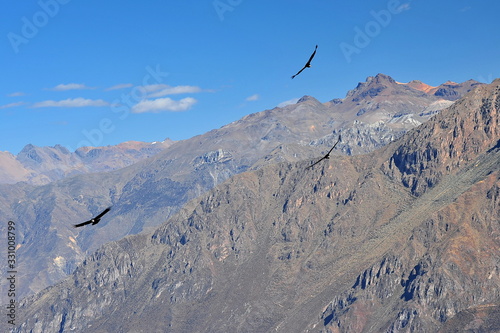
[[42, 165], [147, 193], [404, 239]]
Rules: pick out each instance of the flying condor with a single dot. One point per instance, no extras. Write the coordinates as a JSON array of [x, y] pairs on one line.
[[308, 62], [327, 156], [95, 220]]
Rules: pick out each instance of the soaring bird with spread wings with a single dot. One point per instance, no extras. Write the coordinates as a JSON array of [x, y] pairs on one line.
[[327, 156], [95, 220], [308, 62]]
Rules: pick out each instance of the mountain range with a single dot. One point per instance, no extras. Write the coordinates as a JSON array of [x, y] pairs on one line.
[[42, 165], [403, 239], [148, 192], [390, 106]]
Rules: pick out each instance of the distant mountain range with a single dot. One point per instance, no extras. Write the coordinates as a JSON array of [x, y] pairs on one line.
[[378, 105], [145, 194], [42, 165], [403, 239]]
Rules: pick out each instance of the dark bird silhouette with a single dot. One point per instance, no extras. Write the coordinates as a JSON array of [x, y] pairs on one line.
[[308, 62], [327, 156], [95, 220]]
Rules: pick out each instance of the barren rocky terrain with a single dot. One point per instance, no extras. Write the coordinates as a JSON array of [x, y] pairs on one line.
[[404, 239], [146, 193]]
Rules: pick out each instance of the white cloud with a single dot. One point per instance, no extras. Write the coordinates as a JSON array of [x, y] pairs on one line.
[[176, 90], [163, 104], [72, 103], [16, 94], [160, 90], [252, 98], [119, 86], [149, 88], [70, 86], [11, 105], [289, 102]]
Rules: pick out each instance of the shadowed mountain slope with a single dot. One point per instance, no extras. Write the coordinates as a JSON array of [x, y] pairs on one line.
[[404, 239]]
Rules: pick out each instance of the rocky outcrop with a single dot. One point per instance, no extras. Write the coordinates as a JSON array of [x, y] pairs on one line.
[[453, 140], [442, 272]]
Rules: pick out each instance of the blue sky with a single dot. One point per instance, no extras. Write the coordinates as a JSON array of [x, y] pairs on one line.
[[99, 73]]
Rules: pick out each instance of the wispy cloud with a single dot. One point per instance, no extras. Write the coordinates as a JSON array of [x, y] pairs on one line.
[[149, 88], [252, 98], [16, 94], [289, 102], [72, 103], [11, 105], [160, 90], [119, 86], [176, 90], [163, 104], [70, 86], [465, 9], [403, 7]]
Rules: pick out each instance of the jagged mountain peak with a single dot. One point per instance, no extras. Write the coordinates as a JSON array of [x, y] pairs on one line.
[[309, 99], [371, 87], [376, 86], [381, 98], [30, 154], [28, 147], [452, 90], [381, 78]]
